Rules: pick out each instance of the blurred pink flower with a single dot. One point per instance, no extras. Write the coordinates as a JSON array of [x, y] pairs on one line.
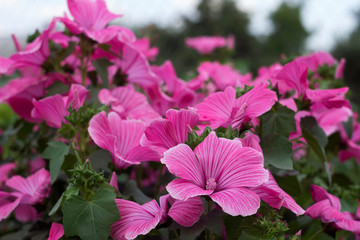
[[56, 231], [207, 44]]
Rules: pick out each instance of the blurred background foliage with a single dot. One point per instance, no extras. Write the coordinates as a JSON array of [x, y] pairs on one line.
[[286, 40]]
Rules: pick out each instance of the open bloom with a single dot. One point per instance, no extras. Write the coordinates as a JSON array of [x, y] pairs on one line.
[[220, 168]]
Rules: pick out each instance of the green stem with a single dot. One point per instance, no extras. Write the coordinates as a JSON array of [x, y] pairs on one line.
[[177, 235], [76, 153]]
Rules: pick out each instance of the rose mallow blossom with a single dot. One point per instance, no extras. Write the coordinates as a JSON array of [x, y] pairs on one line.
[[219, 168], [207, 44]]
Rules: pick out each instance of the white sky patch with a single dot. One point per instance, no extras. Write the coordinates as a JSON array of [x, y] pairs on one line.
[[329, 20]]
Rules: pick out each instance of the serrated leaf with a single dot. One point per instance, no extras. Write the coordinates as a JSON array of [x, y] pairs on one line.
[[55, 152], [101, 65], [277, 151], [90, 219], [280, 121]]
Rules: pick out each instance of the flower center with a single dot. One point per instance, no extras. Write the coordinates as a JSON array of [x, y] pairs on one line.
[[210, 183]]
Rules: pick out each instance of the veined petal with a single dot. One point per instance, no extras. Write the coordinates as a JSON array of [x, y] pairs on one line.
[[77, 96], [182, 162], [217, 107], [51, 109], [35, 186], [142, 154], [8, 203], [294, 75], [99, 131], [183, 121], [135, 219], [259, 100], [318, 194], [161, 133], [237, 201], [183, 189], [186, 213]]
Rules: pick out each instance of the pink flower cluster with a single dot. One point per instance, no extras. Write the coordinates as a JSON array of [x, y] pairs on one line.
[[152, 113]]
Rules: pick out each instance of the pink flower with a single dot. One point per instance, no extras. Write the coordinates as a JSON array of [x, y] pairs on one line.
[[327, 207], [141, 219], [272, 194], [314, 60], [25, 193], [91, 18], [222, 109], [170, 91], [339, 72], [294, 75], [56, 231], [135, 219], [220, 168], [352, 143], [207, 44], [143, 46], [5, 171], [222, 75], [169, 132], [121, 138], [128, 103], [53, 109]]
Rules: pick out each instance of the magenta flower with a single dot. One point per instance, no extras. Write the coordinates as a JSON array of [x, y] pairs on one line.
[[143, 46], [91, 18], [222, 76], [207, 44], [272, 194], [169, 132], [128, 103], [141, 219], [327, 207], [25, 193], [314, 60], [56, 231], [220, 168], [352, 143], [222, 109], [339, 72], [121, 138], [135, 219], [53, 109]]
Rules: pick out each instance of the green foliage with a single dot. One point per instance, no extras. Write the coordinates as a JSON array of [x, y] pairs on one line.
[[277, 151], [194, 139], [279, 120], [314, 136], [228, 133], [101, 65], [90, 219], [55, 152]]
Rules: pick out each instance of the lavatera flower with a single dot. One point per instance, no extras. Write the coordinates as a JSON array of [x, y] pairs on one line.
[[219, 168]]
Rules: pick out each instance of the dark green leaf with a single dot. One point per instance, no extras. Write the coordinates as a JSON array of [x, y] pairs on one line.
[[289, 184], [90, 219], [349, 128], [101, 65], [55, 152], [277, 151], [280, 121], [131, 190], [311, 125]]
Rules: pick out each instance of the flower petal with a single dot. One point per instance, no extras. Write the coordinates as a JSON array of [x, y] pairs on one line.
[[56, 231], [237, 201], [182, 162], [187, 213], [183, 189]]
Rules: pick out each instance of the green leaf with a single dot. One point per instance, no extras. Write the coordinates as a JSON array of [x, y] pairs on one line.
[[101, 65], [314, 136], [90, 219], [280, 121], [131, 190], [277, 151], [349, 128], [55, 152]]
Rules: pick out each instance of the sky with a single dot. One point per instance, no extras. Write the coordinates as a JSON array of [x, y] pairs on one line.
[[328, 20]]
